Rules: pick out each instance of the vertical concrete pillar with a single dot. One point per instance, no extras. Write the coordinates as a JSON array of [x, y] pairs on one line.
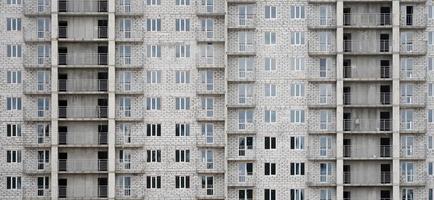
[[339, 100], [395, 92]]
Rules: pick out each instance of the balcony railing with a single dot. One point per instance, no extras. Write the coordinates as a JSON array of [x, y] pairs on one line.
[[361, 152], [321, 100], [242, 21], [83, 85], [129, 166], [35, 36], [36, 61], [382, 72], [381, 98], [367, 124], [129, 35], [367, 19], [83, 59], [367, 47], [68, 138], [385, 177], [129, 113], [413, 151], [91, 165], [210, 35], [210, 9], [69, 33], [36, 7], [322, 127], [413, 47], [83, 111], [77, 193], [413, 100], [36, 87], [81, 6], [316, 47], [211, 88], [133, 8], [128, 192], [415, 125], [315, 152], [321, 22], [243, 48], [36, 166], [410, 20], [318, 179]]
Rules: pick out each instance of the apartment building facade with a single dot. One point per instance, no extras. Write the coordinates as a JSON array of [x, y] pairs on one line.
[[214, 99]]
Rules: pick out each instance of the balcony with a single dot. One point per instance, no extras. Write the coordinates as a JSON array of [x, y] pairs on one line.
[[242, 181], [81, 7], [416, 178], [378, 179], [129, 87], [214, 88], [83, 112], [242, 49], [379, 47], [127, 113], [317, 179], [211, 167], [210, 36], [319, 153], [134, 8], [83, 166], [368, 99], [36, 36], [353, 152], [367, 125], [215, 114], [318, 128], [246, 21], [413, 101], [83, 85], [418, 74], [316, 48], [36, 166], [32, 60], [128, 61], [353, 73], [71, 192], [321, 101], [413, 21], [413, 48], [416, 126], [242, 155], [242, 76], [130, 192], [69, 139], [77, 34], [214, 62], [210, 9], [212, 141], [34, 8], [33, 192], [124, 166], [321, 23], [37, 140], [35, 113], [413, 152], [242, 102], [33, 87], [129, 36], [83, 59], [367, 20]]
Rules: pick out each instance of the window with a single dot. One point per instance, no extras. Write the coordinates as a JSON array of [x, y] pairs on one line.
[[182, 77], [245, 117], [269, 169], [125, 159], [245, 67], [153, 103], [43, 159], [182, 51], [324, 119], [13, 2], [153, 2], [326, 194], [297, 116], [182, 103], [244, 144], [270, 143], [43, 185], [297, 89], [269, 194], [208, 132], [297, 63], [182, 2], [407, 119], [297, 142], [153, 129], [13, 103], [207, 27], [407, 67], [43, 25], [270, 64], [207, 78], [430, 194], [270, 90], [407, 171], [325, 146], [153, 156], [182, 155], [43, 107], [125, 78], [322, 67], [182, 129], [153, 77], [182, 181], [297, 169], [430, 142], [13, 156], [324, 93], [207, 54], [125, 54], [43, 54], [153, 51], [245, 93], [297, 12], [207, 105], [270, 116], [270, 12], [430, 168], [208, 184], [297, 194], [407, 145], [13, 130], [430, 63], [208, 158], [245, 194], [244, 169], [14, 51], [13, 24], [125, 27], [153, 181], [325, 172], [430, 16], [430, 117], [153, 25], [182, 25], [430, 89], [430, 38], [270, 38], [297, 38], [43, 133], [125, 185], [407, 194], [125, 130], [13, 182]]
